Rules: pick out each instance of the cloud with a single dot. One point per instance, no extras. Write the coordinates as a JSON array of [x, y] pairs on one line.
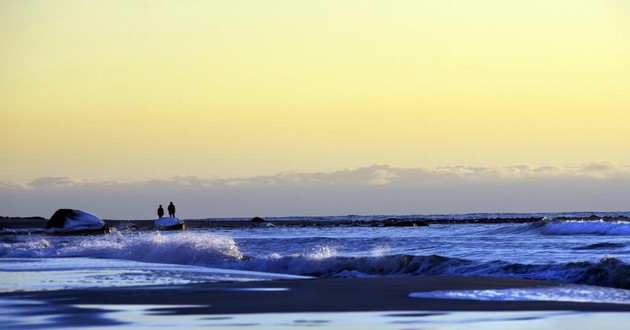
[[193, 181], [4, 184], [47, 182], [60, 182], [602, 170], [379, 175], [376, 189]]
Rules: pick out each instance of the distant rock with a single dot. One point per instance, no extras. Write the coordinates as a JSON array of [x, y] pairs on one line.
[[257, 219], [75, 222], [127, 226], [168, 223], [24, 218], [394, 222]]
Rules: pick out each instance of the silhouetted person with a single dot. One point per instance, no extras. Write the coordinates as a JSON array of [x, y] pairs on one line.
[[160, 211], [171, 210]]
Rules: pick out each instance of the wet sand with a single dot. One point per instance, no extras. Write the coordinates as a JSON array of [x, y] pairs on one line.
[[314, 295]]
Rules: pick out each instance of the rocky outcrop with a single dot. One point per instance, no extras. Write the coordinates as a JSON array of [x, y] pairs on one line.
[[75, 222], [169, 223], [257, 219], [394, 222]]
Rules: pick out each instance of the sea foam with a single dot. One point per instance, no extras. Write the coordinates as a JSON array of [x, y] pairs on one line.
[[186, 248], [567, 293], [39, 274]]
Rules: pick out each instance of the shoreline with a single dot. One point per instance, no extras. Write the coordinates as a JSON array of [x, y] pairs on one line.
[[40, 222], [316, 295]]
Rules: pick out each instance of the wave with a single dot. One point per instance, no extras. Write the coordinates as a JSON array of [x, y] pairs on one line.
[[457, 216], [581, 227], [610, 272], [223, 252], [603, 245], [185, 248], [515, 229], [565, 227]]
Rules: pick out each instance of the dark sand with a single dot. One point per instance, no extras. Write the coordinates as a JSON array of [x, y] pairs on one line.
[[315, 295]]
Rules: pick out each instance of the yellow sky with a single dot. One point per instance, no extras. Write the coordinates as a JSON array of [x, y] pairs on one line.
[[132, 90]]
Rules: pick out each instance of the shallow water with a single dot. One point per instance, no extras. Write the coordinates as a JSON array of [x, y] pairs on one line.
[[578, 251], [31, 315]]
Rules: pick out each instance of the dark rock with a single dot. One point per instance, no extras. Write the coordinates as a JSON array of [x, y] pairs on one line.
[[404, 223], [75, 222], [257, 219], [127, 226], [179, 226], [169, 223]]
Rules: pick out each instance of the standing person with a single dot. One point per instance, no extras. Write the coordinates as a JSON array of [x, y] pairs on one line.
[[171, 210], [160, 211]]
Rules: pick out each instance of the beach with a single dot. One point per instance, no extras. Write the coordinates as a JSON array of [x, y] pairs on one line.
[[336, 272], [320, 295], [269, 165], [376, 303]]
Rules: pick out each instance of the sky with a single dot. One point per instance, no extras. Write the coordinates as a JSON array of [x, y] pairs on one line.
[[117, 106]]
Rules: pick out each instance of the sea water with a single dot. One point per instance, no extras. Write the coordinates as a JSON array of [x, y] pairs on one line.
[[579, 250]]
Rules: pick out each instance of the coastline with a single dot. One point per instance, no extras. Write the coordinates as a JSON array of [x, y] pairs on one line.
[[40, 222], [110, 288]]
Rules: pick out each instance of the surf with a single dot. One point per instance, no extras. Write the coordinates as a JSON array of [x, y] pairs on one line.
[[583, 227]]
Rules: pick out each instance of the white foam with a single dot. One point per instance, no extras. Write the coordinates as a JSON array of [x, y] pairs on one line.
[[162, 247], [35, 274], [565, 293]]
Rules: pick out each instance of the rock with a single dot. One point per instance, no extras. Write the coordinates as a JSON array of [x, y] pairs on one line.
[[257, 219], [168, 223], [393, 222], [75, 222], [413, 223], [127, 226]]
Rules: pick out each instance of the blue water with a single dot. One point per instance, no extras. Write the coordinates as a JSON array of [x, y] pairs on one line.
[[589, 255], [578, 249]]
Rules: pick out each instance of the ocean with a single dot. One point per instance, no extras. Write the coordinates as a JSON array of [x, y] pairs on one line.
[[587, 253]]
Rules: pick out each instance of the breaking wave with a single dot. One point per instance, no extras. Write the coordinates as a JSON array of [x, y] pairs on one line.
[[610, 272], [567, 227], [581, 227], [186, 248], [223, 252]]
